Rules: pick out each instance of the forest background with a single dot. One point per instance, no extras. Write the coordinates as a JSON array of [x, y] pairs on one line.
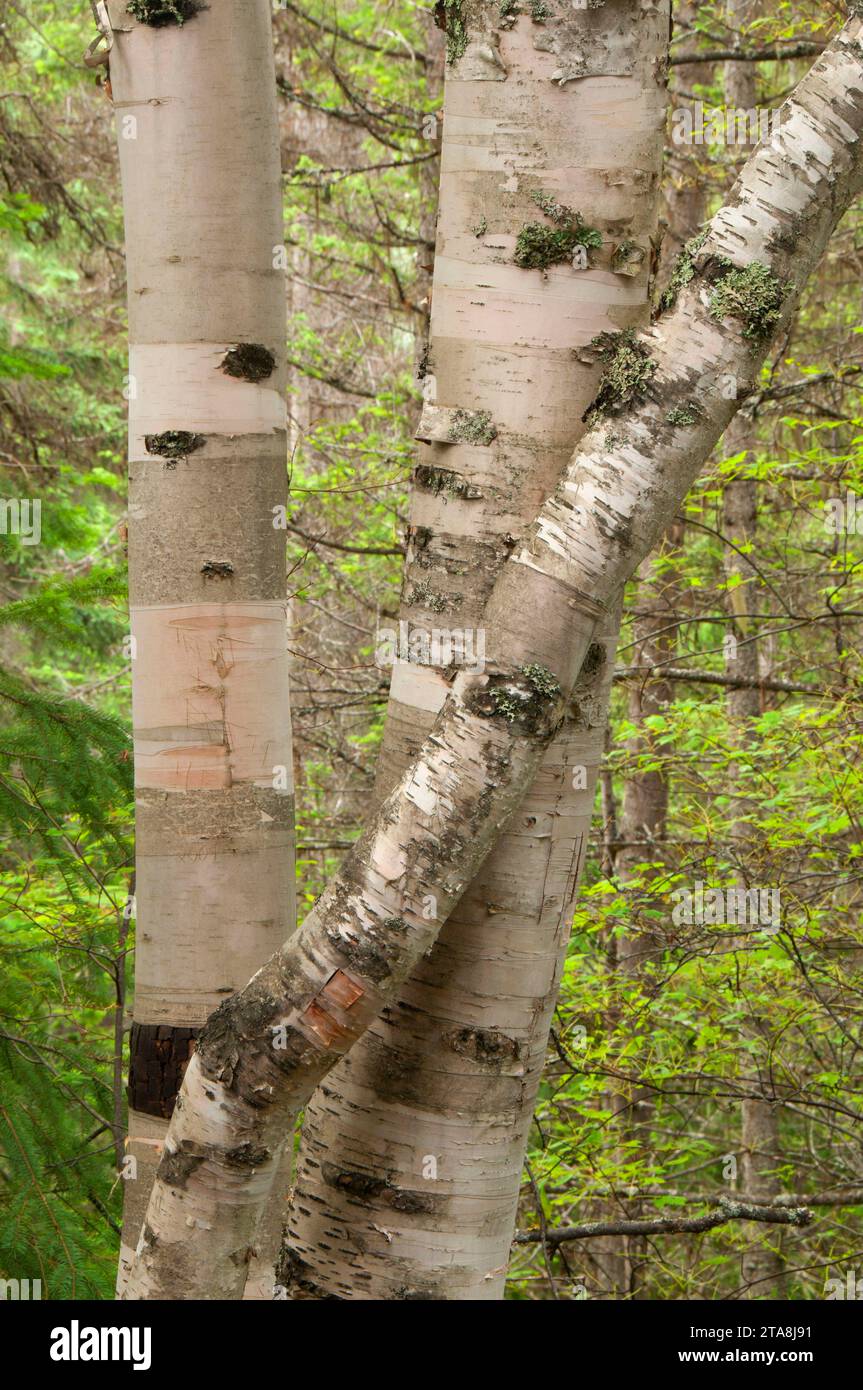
[[649, 1069]]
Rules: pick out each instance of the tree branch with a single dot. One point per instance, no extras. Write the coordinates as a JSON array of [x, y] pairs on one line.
[[726, 1210]]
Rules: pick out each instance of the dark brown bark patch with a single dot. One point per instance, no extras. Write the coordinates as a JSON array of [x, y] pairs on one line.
[[174, 444], [364, 1186], [293, 1276], [371, 953], [444, 480], [487, 1047], [176, 1168], [248, 1155], [248, 362], [158, 1057], [530, 699], [158, 13]]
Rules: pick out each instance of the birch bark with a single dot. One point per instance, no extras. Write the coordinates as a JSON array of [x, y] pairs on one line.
[[198, 141], [412, 1153], [265, 1050]]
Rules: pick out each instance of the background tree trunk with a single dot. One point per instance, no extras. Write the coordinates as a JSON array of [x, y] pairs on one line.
[[762, 1263], [760, 1151]]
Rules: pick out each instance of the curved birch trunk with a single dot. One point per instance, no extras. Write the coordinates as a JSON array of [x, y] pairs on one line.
[[199, 151], [412, 1153], [262, 1054]]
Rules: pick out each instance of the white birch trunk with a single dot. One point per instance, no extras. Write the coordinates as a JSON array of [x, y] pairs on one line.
[[412, 1153], [261, 1056], [199, 151]]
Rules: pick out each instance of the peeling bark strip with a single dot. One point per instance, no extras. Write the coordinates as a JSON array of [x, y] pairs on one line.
[[430, 1094], [207, 455], [254, 1068]]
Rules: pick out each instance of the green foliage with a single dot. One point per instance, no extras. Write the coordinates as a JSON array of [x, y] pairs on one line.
[[65, 753], [59, 1219]]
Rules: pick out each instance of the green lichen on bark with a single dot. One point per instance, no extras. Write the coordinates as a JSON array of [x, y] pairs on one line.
[[174, 444], [443, 480], [427, 597], [451, 17], [396, 924], [538, 246], [752, 294], [683, 272], [158, 13], [472, 427], [626, 378], [627, 258], [541, 680], [511, 9], [683, 415], [530, 699]]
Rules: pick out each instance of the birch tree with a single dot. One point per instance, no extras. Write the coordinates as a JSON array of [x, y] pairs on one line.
[[659, 410], [420, 1133], [194, 93]]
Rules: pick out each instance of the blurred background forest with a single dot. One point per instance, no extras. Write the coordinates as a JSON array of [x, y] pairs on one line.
[[734, 751]]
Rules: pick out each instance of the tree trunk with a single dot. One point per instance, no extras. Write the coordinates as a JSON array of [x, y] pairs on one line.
[[760, 1153], [644, 814], [214, 806], [762, 1261], [413, 1151], [660, 409]]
